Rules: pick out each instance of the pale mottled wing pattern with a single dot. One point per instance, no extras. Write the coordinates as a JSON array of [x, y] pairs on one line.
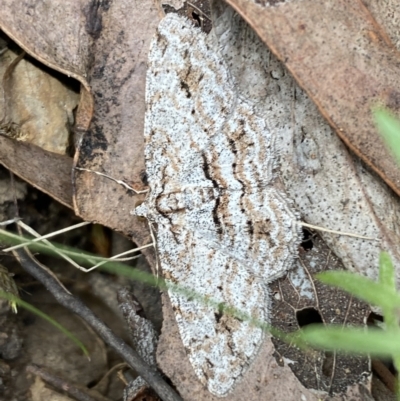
[[223, 228]]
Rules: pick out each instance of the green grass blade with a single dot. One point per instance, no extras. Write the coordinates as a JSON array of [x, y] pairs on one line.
[[387, 278], [29, 307], [351, 340], [387, 275], [389, 127], [363, 288]]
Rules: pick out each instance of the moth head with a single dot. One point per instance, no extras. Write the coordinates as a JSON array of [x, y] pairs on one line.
[[141, 209]]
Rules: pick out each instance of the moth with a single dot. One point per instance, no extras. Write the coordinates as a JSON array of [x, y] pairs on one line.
[[224, 229]]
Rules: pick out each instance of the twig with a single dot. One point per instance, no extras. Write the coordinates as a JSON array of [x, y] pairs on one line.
[[201, 12], [120, 182], [384, 374], [62, 254], [152, 377], [45, 241], [117, 258], [117, 367], [80, 393], [42, 237], [7, 222], [336, 232]]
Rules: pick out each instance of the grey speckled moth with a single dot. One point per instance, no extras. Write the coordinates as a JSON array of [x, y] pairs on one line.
[[224, 228]]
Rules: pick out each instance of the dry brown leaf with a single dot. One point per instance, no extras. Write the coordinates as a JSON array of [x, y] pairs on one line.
[[59, 35], [38, 108], [300, 299], [30, 162], [331, 188], [114, 143], [343, 59], [98, 43]]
